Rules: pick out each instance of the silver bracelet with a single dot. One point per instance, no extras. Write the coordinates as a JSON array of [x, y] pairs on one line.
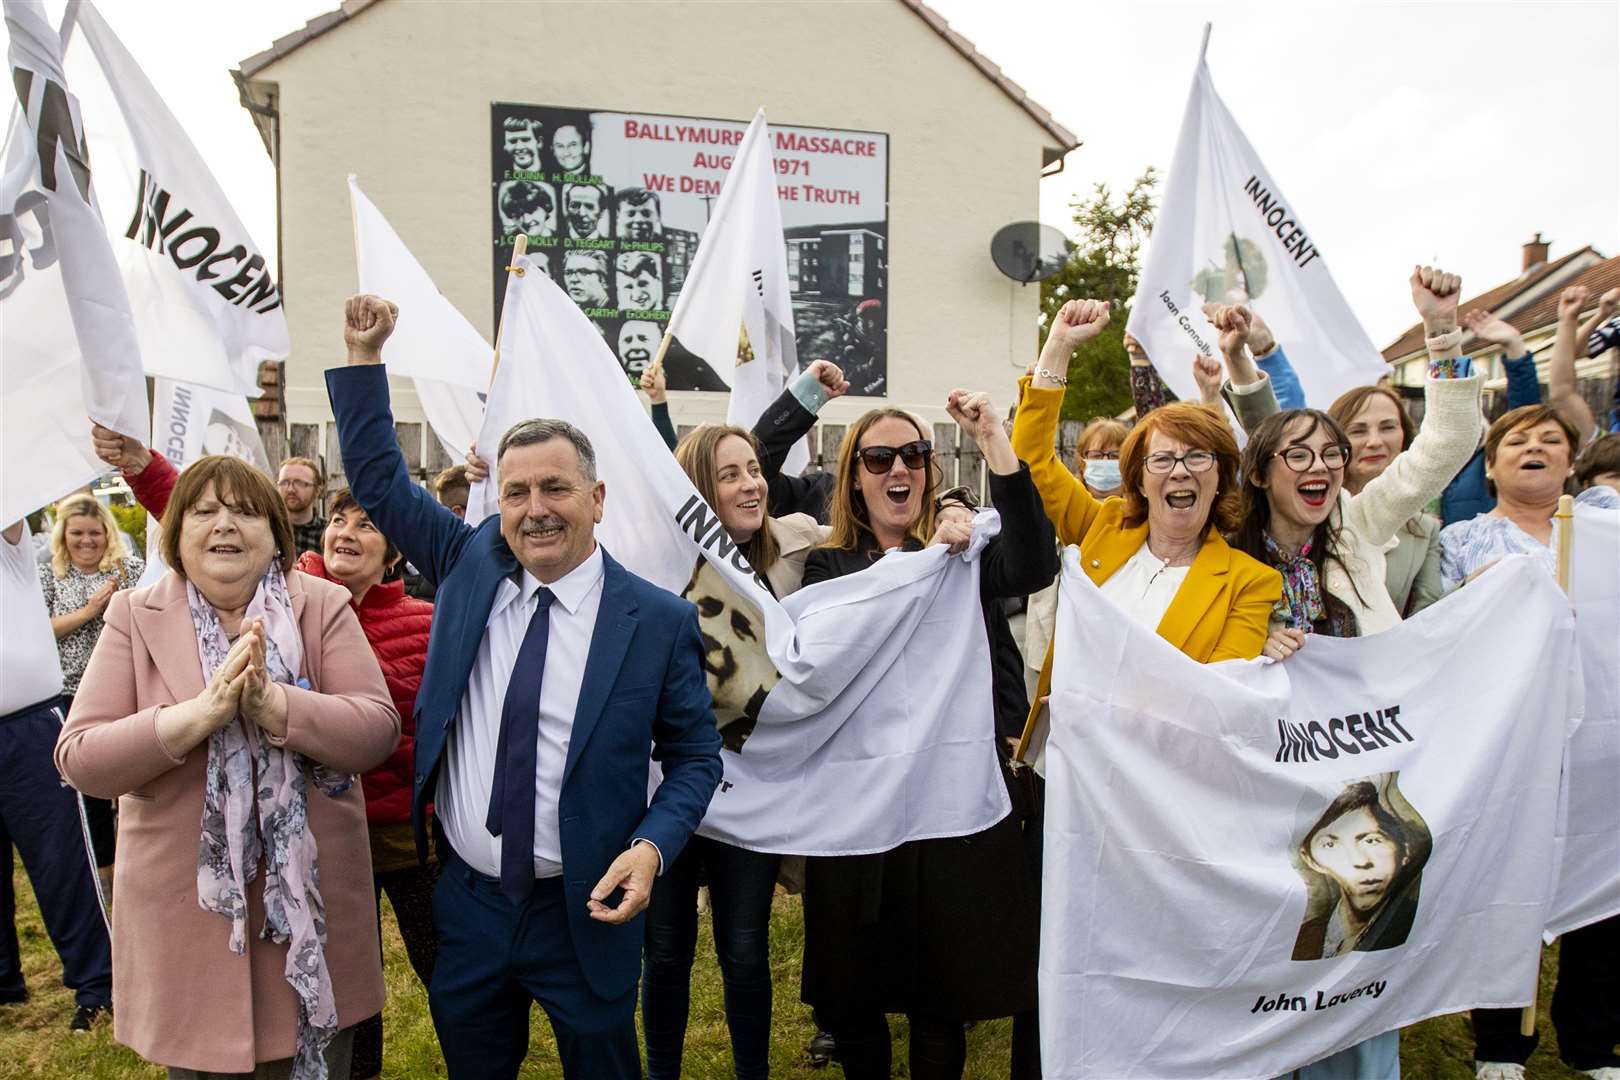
[[1061, 380]]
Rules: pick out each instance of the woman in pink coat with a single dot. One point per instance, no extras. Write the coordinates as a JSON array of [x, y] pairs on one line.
[[230, 708]]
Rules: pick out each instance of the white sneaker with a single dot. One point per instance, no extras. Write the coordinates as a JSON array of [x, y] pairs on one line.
[[1607, 1072], [1498, 1070]]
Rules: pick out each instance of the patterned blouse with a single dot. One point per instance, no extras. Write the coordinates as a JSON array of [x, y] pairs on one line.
[[1465, 546], [65, 595]]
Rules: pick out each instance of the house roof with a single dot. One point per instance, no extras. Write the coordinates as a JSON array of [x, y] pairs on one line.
[[1065, 139], [1598, 280], [1412, 339]]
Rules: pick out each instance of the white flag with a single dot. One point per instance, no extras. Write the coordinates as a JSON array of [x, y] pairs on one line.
[[68, 348], [1225, 234], [1250, 866], [435, 345], [1589, 838], [881, 727], [206, 305], [739, 278]]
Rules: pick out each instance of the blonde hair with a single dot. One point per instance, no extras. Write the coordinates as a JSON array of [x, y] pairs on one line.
[[83, 505], [696, 453], [846, 508]]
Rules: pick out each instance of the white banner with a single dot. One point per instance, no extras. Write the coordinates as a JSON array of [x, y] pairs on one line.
[[1589, 840], [1225, 234], [881, 728], [1251, 866], [435, 345], [68, 349], [739, 278], [206, 305]]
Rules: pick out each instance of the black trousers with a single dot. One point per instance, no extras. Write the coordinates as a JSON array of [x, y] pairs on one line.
[[411, 892], [1585, 1005]]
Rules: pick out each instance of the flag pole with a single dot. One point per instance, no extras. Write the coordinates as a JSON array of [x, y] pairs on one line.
[[1203, 46], [520, 248], [1566, 539], [663, 347]]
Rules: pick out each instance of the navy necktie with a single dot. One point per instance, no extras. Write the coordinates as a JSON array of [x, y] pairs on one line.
[[511, 795]]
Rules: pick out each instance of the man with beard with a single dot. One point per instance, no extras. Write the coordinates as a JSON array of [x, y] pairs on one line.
[[585, 208], [639, 217], [529, 208], [640, 281], [571, 147], [585, 276], [300, 482], [522, 139]]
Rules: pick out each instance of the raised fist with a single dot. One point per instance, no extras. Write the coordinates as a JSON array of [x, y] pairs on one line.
[[653, 384], [1571, 301], [1607, 303], [830, 376], [367, 322], [1076, 323], [119, 451], [1134, 350], [1232, 322], [1208, 373], [974, 414], [1435, 294]]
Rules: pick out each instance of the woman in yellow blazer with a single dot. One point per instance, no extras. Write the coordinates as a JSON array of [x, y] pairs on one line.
[[1156, 550]]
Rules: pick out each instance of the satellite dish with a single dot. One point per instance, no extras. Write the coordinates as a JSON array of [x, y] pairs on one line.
[[1028, 251]]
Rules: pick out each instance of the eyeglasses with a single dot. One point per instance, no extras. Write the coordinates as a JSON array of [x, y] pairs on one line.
[[1301, 458], [291, 483], [1101, 455], [961, 496], [1195, 460], [880, 459]]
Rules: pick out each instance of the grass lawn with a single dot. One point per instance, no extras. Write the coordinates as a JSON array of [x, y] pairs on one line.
[[35, 1042]]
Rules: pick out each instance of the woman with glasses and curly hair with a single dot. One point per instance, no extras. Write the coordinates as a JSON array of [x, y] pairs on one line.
[[1300, 516], [942, 930]]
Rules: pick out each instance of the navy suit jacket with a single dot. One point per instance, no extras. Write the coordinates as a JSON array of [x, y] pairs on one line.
[[643, 685]]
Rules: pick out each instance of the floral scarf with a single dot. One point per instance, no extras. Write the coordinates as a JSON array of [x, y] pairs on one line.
[[254, 807], [1301, 604]]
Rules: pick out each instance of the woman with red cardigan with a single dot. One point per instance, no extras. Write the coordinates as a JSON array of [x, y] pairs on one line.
[[356, 555]]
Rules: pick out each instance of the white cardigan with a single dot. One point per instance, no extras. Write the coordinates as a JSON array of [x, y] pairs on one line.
[[1370, 520]]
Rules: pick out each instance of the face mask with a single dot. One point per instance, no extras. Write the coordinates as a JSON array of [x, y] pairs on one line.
[[1102, 475]]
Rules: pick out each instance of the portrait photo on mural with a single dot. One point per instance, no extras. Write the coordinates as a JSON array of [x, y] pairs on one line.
[[1361, 853], [614, 204]]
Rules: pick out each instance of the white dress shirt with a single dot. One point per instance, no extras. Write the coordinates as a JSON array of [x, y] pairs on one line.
[[1144, 587], [462, 801]]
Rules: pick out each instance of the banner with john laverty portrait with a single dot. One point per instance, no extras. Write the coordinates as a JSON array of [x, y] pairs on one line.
[[1250, 866], [614, 204]]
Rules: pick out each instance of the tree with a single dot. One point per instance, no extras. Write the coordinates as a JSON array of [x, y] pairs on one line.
[[1104, 264]]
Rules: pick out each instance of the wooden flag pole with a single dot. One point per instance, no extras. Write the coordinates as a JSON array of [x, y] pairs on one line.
[[520, 248], [663, 347], [1566, 539]]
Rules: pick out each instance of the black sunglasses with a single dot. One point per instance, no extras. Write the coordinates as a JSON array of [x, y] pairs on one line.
[[880, 459]]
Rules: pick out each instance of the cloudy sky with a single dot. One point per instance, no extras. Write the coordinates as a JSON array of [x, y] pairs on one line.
[[1446, 132]]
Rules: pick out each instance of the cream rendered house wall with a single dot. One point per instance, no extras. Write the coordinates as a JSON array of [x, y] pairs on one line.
[[400, 95]]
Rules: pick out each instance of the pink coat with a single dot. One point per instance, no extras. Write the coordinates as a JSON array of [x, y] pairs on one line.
[[180, 997]]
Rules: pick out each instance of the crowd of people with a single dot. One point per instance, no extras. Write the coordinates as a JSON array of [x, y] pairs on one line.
[[332, 697]]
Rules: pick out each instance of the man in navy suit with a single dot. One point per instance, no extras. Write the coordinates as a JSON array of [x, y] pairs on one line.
[[552, 673]]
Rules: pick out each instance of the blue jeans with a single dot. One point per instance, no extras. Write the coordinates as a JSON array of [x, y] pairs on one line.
[[741, 884]]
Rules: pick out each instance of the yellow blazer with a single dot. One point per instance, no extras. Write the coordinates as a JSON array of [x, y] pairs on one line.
[[1224, 604]]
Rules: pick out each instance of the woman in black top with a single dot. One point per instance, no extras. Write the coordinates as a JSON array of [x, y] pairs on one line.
[[944, 930]]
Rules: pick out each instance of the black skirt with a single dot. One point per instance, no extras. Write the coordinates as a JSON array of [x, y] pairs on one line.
[[943, 927]]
